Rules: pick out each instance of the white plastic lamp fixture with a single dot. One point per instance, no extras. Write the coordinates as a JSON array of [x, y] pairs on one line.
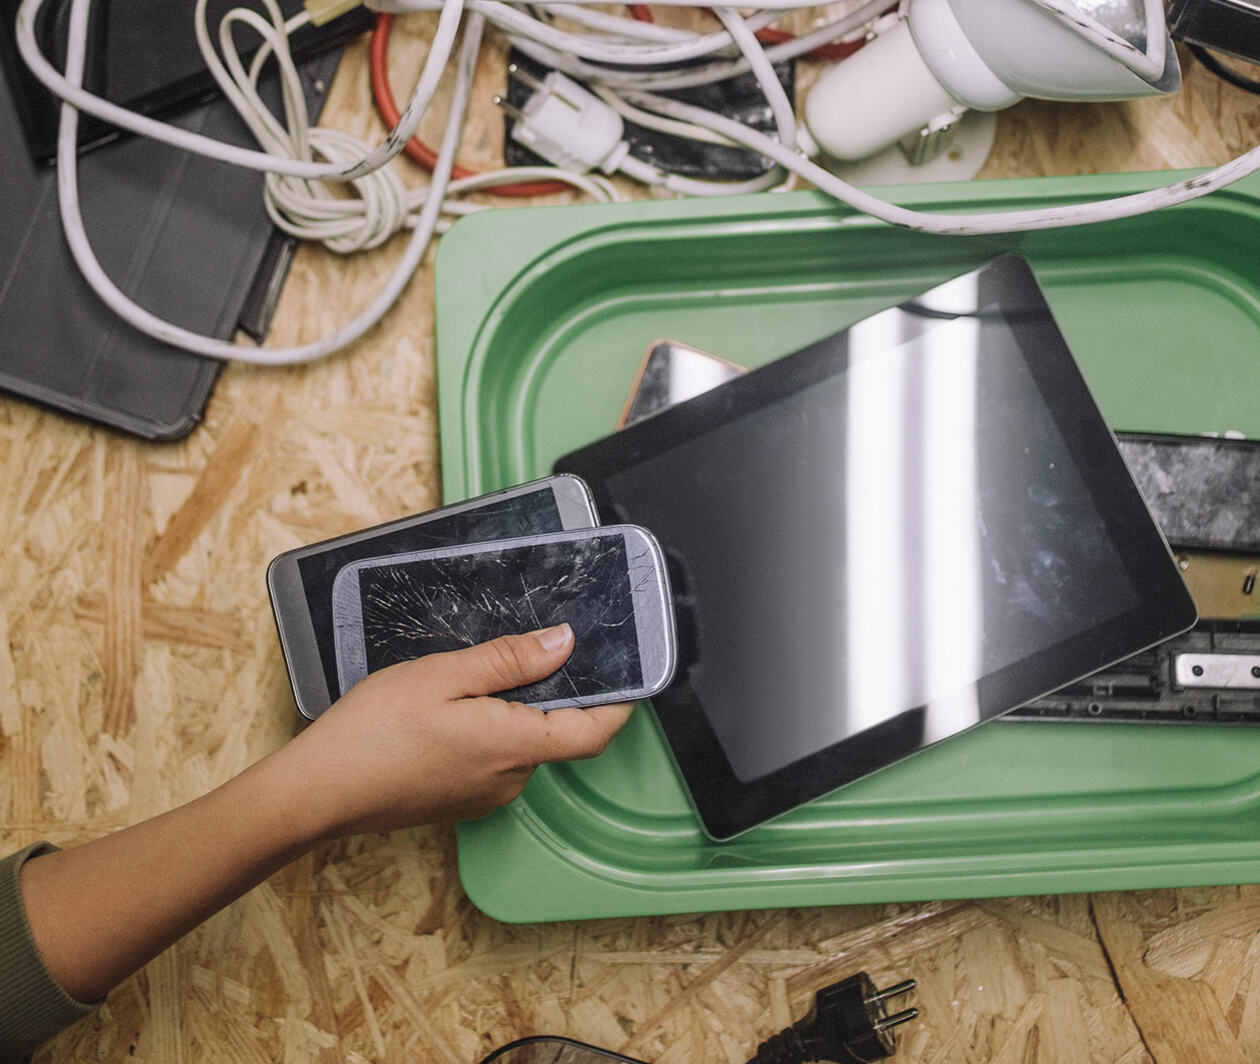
[[944, 57]]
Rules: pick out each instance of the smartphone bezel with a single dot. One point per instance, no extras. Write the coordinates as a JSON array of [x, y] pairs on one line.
[[652, 601], [287, 591]]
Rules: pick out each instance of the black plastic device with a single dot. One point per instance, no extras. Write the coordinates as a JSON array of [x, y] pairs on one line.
[[142, 55], [902, 530], [740, 98], [1231, 26], [210, 260], [849, 1023]]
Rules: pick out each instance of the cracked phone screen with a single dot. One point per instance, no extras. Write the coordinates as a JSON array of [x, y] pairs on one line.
[[521, 515], [439, 604]]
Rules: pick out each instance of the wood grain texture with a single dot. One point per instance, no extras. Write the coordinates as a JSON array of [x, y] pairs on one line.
[[139, 667]]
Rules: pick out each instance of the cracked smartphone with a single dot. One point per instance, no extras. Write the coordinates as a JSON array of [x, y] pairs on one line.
[[300, 581], [609, 584]]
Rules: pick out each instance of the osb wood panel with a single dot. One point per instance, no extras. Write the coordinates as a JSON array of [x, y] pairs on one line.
[[138, 667]]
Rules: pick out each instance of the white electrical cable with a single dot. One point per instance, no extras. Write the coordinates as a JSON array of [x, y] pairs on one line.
[[85, 258], [401, 7], [780, 108], [596, 186], [347, 225], [977, 224], [840, 29], [664, 81], [304, 209], [606, 48], [691, 186], [236, 84], [309, 210], [62, 87], [649, 120], [763, 70], [691, 46], [619, 25], [297, 159]]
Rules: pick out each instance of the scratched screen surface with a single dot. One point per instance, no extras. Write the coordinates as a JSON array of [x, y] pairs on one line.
[[427, 606], [937, 530], [509, 518]]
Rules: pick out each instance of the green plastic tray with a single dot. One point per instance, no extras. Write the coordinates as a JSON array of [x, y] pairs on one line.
[[543, 316]]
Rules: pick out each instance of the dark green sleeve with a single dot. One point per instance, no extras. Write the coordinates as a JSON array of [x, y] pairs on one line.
[[33, 1007]]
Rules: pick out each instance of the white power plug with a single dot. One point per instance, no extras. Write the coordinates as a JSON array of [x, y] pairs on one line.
[[566, 124]]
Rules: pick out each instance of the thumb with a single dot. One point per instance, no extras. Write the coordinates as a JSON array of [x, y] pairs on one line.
[[503, 663]]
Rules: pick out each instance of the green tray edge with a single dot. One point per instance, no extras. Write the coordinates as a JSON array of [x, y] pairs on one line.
[[493, 852]]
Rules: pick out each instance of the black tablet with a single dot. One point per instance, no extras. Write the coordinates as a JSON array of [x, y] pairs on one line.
[[900, 531]]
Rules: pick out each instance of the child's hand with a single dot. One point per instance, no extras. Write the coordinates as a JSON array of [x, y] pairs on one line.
[[423, 742]]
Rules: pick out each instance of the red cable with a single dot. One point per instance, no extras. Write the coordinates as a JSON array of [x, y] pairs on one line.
[[417, 150], [834, 50], [415, 147]]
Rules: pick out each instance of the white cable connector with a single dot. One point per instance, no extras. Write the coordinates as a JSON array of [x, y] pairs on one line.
[[574, 129], [567, 125]]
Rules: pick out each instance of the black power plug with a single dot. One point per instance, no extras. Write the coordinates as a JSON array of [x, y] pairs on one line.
[[849, 1024]]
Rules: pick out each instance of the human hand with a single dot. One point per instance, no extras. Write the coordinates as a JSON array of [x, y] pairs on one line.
[[412, 744], [423, 741]]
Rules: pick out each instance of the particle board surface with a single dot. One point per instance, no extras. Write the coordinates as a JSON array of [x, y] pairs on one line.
[[139, 667]]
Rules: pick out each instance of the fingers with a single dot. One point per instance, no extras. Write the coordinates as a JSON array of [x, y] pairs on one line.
[[503, 663], [576, 734]]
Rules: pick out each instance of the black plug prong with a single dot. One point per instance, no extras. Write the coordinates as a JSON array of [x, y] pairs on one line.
[[891, 992], [896, 1020]]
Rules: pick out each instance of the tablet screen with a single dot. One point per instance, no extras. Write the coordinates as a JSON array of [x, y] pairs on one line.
[[904, 529]]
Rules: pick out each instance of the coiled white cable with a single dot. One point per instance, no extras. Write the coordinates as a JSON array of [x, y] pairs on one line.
[[309, 210], [71, 92], [297, 160], [85, 258]]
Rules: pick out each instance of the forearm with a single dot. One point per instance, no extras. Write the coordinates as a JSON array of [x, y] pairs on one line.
[[413, 744], [100, 911]]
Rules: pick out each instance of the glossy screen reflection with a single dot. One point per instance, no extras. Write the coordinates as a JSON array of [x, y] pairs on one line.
[[867, 547]]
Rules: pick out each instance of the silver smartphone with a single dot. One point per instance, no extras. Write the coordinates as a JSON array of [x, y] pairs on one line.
[[609, 584], [300, 582]]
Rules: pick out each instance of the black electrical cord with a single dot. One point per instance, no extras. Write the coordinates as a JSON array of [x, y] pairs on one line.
[[557, 1049], [848, 1024], [1223, 72]]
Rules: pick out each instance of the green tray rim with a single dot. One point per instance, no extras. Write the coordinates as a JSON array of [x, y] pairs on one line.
[[488, 255]]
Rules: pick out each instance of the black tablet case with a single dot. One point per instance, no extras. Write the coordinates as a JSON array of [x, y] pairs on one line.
[[144, 55], [185, 237]]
